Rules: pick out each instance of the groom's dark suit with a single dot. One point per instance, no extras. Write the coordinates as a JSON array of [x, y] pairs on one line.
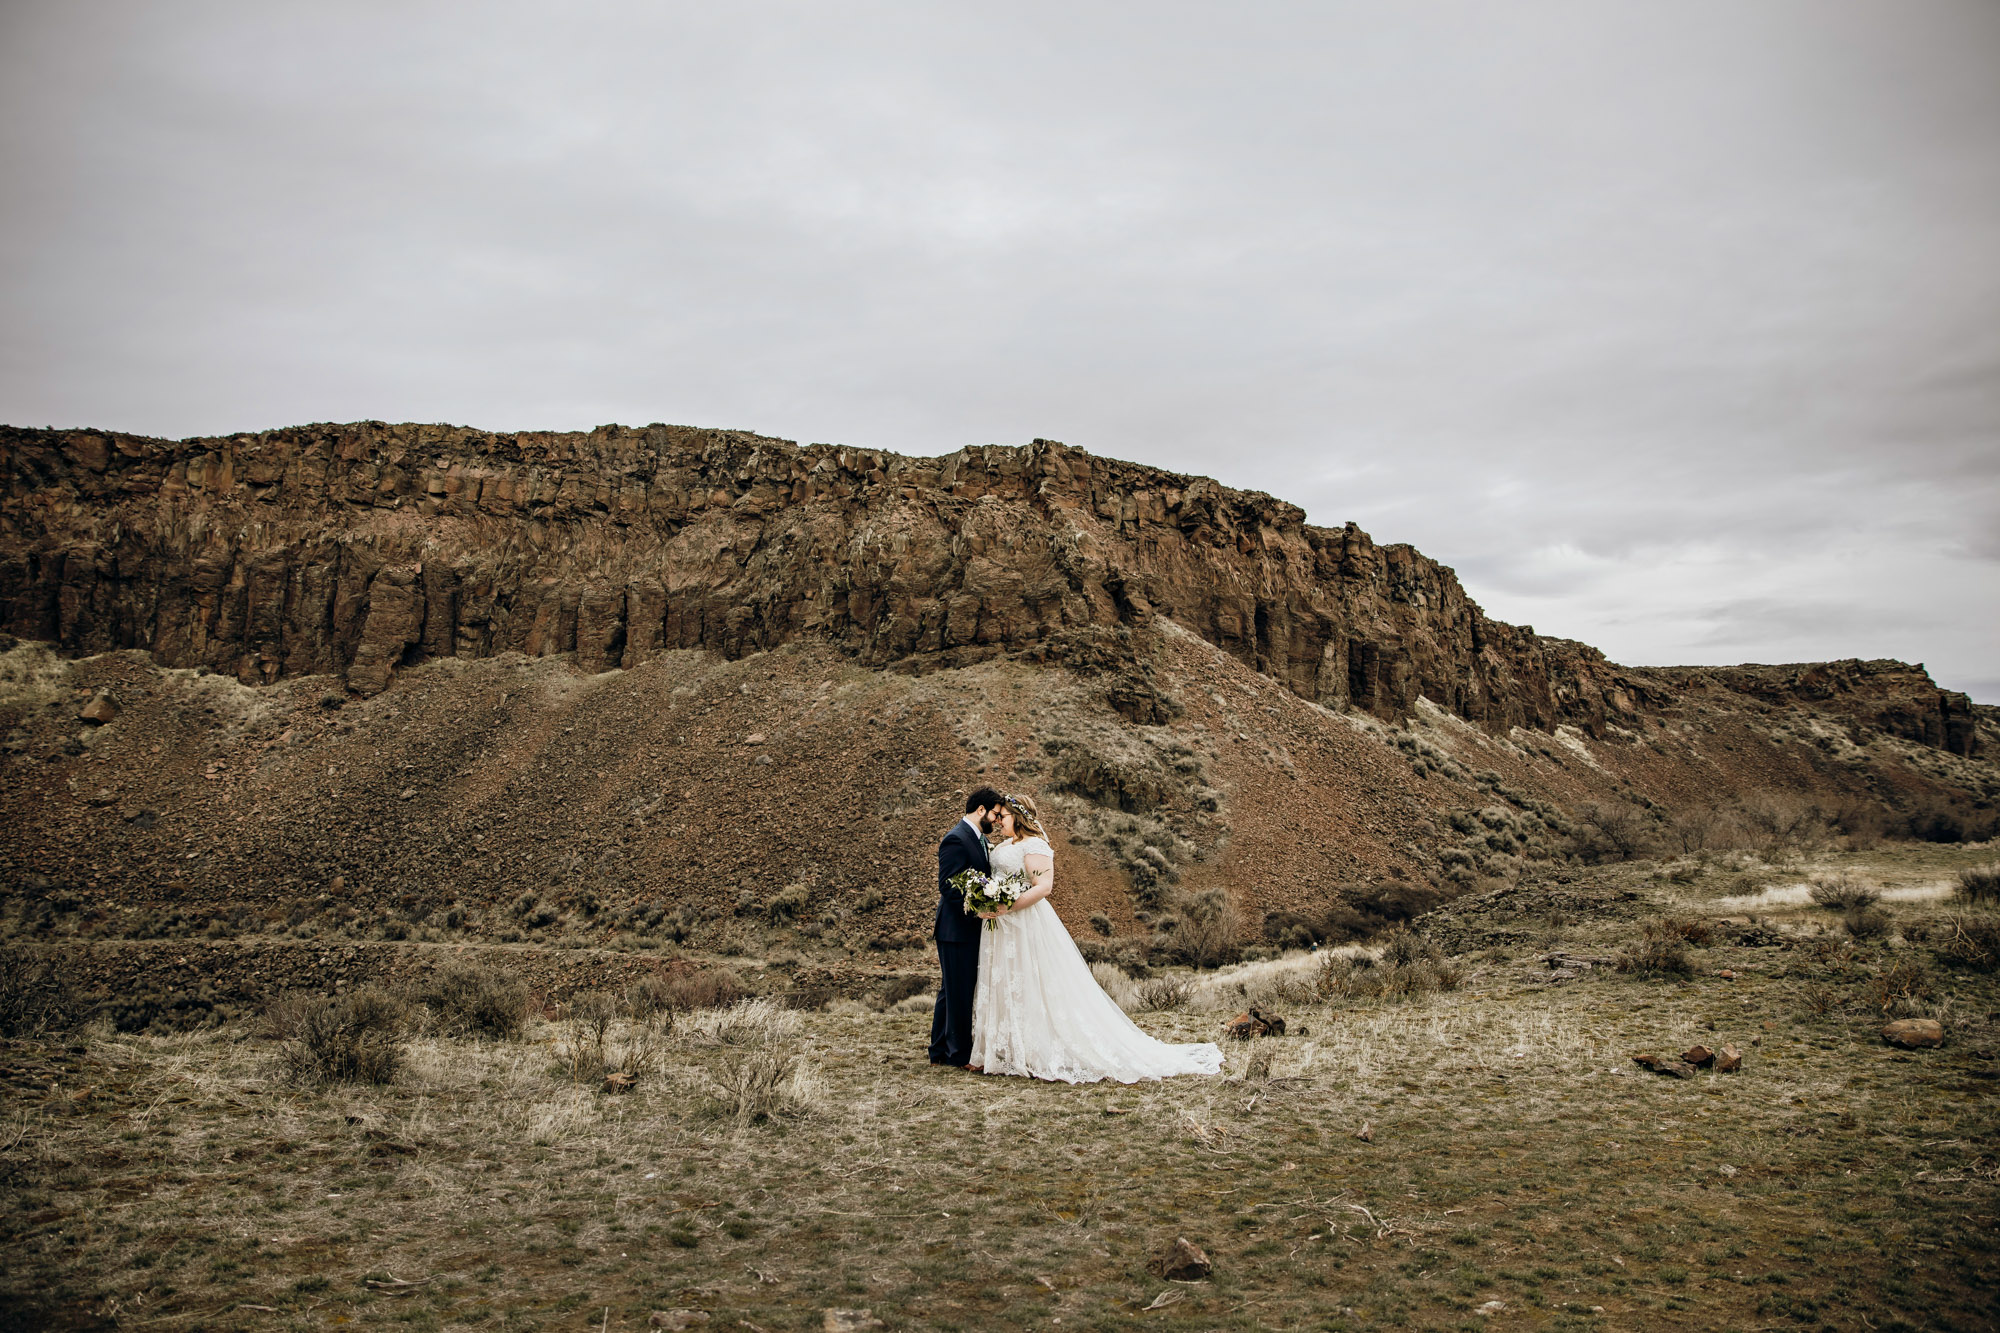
[[957, 937]]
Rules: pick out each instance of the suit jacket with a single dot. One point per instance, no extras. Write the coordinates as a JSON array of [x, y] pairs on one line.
[[960, 850]]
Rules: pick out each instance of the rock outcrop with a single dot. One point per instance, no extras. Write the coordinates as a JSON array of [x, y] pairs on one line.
[[358, 549]]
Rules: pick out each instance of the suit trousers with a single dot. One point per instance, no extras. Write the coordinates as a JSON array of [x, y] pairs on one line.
[[951, 1020]]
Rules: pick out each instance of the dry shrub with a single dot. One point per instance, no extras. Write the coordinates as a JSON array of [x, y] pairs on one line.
[[1779, 822], [466, 999], [1411, 966], [759, 1085], [354, 1038], [1161, 994], [900, 988], [1970, 941], [1820, 999], [35, 996], [1902, 990], [1113, 981], [1621, 832], [683, 993], [1980, 884], [1690, 929], [1843, 891], [1206, 933], [1661, 950], [1866, 923], [581, 1028], [751, 1023]]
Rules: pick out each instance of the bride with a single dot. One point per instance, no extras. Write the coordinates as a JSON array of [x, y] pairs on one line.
[[1037, 1010]]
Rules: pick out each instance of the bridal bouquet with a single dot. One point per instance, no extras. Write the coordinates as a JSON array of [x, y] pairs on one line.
[[988, 893]]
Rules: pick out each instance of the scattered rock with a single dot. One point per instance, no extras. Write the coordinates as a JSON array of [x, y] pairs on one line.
[[675, 1319], [1914, 1032], [1698, 1056], [406, 793], [1367, 1132], [1184, 1261], [1726, 974], [1254, 1023], [1728, 1060], [848, 1321], [1665, 1064], [619, 1081], [754, 738], [101, 708], [1490, 1308]]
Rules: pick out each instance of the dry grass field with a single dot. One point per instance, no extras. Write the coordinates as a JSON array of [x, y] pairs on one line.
[[1486, 1157]]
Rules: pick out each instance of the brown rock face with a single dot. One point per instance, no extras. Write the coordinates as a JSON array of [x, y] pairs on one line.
[[356, 549]]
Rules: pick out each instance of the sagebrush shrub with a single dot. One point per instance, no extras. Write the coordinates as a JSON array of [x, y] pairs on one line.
[[1980, 884], [1843, 891], [1902, 990], [1161, 994], [1206, 933], [354, 1038], [34, 995], [468, 1000], [761, 1084], [1411, 966], [1657, 955], [1866, 922], [1970, 941]]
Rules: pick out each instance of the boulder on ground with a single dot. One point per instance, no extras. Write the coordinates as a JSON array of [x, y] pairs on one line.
[[1184, 1261], [101, 708], [1914, 1032], [1665, 1064], [1699, 1056], [1254, 1023], [1728, 1060], [848, 1321]]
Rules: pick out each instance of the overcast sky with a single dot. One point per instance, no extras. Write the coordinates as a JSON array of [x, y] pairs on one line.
[[1674, 327]]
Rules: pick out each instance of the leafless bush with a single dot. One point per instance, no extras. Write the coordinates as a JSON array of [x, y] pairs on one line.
[[1980, 884], [1206, 933], [758, 1085], [1702, 828], [711, 988], [1902, 990], [354, 1038], [35, 996], [1411, 966], [1970, 941], [1690, 929], [1779, 822], [751, 1023], [1843, 891], [468, 1000], [581, 1027], [1602, 833], [1658, 953], [1161, 994], [1866, 922], [1819, 999]]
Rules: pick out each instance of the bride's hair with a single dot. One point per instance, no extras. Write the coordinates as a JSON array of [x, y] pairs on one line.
[[1027, 820]]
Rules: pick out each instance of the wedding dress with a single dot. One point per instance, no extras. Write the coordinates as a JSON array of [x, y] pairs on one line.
[[1038, 1011]]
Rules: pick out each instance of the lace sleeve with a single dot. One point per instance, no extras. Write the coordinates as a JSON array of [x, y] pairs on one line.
[[1036, 847]]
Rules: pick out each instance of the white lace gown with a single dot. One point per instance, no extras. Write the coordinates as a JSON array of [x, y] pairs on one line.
[[1039, 1012]]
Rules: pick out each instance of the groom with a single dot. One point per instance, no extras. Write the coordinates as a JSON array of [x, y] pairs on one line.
[[964, 848]]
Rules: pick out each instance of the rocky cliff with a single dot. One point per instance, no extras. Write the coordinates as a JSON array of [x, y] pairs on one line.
[[359, 549]]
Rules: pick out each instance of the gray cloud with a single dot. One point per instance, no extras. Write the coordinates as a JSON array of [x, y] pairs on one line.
[[1673, 329]]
